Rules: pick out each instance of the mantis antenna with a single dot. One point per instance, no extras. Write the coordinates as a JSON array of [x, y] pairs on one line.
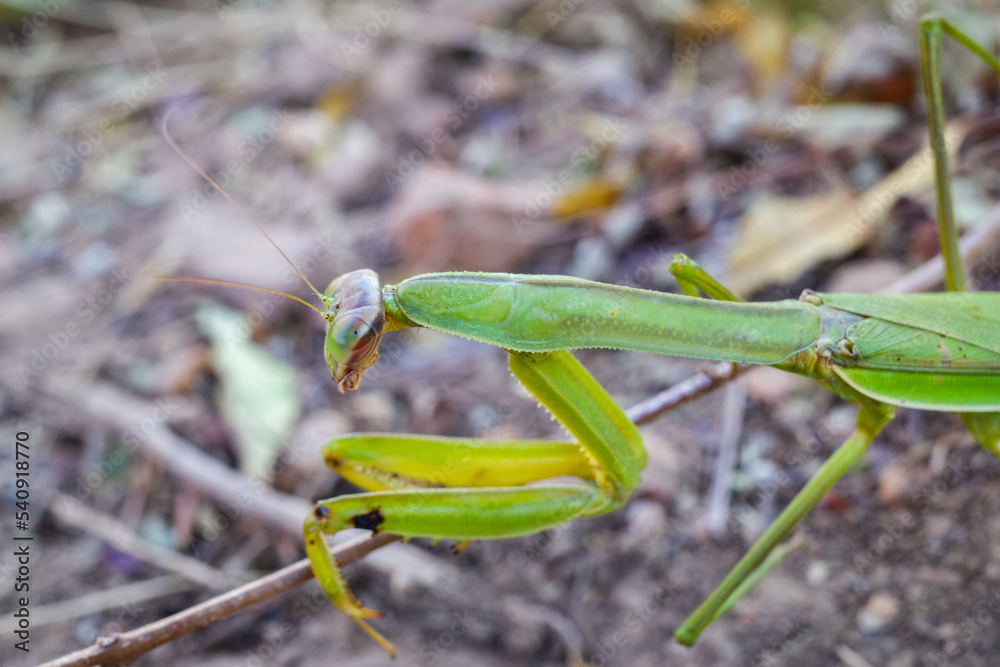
[[208, 281], [230, 283]]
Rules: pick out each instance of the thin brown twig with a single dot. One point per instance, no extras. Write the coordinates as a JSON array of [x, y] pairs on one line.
[[111, 531], [697, 385], [127, 646], [103, 600], [130, 645]]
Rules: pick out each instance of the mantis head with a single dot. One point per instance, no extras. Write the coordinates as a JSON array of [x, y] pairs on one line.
[[355, 308], [355, 322]]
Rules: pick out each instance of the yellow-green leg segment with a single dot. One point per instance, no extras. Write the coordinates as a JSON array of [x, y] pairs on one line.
[[608, 455]]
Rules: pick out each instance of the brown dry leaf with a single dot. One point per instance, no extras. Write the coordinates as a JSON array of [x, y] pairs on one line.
[[770, 386], [716, 18], [444, 219], [764, 40], [866, 276], [872, 64], [258, 397], [781, 237]]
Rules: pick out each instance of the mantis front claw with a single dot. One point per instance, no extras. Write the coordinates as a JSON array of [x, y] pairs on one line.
[[330, 578]]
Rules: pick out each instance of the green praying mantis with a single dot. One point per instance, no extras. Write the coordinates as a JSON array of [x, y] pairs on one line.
[[936, 352]]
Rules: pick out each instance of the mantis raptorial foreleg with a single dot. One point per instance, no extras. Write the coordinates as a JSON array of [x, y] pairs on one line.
[[385, 461], [984, 426], [609, 453]]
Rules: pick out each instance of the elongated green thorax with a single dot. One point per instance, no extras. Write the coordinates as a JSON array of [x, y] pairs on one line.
[[532, 313]]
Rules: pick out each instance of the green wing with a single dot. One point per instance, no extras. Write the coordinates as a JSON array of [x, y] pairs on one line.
[[928, 351], [969, 317], [897, 347], [926, 391]]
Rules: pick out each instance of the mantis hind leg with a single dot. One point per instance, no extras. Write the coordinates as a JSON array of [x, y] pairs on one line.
[[984, 426], [767, 551], [871, 418]]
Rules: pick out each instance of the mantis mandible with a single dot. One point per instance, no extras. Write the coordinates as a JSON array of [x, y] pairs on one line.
[[936, 352]]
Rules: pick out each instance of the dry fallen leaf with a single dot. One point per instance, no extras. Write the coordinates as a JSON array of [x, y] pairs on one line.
[[444, 219], [258, 399], [781, 237], [590, 196]]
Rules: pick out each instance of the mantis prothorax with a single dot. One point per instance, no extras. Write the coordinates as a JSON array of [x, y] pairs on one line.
[[932, 351]]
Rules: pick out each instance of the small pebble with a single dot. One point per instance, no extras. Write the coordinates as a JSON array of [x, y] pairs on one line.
[[894, 483], [880, 610], [818, 573], [646, 519]]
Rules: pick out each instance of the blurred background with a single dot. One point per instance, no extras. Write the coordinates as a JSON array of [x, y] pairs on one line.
[[175, 429]]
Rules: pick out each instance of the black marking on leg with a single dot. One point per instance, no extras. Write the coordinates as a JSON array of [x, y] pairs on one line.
[[370, 521]]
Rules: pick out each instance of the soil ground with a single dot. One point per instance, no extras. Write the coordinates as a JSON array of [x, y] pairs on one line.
[[592, 139]]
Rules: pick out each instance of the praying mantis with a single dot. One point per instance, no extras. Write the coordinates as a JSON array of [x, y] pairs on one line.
[[931, 351], [938, 352]]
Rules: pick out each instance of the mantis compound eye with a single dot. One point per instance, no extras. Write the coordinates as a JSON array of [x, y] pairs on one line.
[[356, 321]]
